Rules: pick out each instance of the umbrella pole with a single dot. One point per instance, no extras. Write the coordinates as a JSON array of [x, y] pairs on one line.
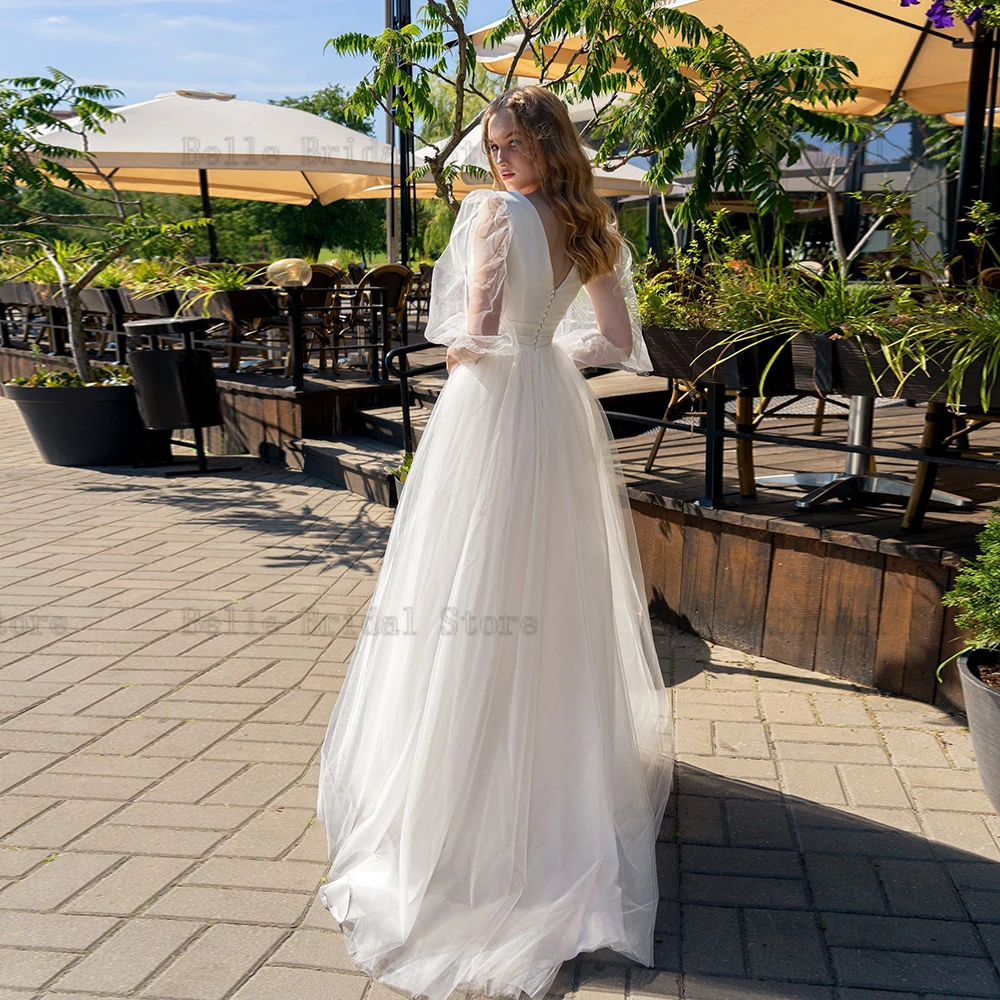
[[206, 211], [970, 173]]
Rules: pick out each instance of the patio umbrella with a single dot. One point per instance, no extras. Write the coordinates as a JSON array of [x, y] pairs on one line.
[[626, 180], [897, 51], [204, 143]]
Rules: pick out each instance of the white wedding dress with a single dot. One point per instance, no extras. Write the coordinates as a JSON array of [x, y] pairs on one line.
[[499, 759]]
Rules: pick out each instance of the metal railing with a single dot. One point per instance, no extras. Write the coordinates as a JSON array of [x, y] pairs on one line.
[[403, 373]]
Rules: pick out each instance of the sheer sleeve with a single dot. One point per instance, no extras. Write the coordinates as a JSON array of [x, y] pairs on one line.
[[602, 325], [467, 289]]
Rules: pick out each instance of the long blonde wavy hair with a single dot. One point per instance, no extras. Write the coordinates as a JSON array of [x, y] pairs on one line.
[[593, 242]]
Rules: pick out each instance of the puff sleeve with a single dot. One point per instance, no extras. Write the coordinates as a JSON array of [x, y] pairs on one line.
[[467, 290], [602, 325]]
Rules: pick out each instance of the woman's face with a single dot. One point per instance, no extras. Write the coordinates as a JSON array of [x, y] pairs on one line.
[[509, 148]]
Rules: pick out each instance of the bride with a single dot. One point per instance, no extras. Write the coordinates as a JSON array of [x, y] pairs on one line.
[[498, 762]]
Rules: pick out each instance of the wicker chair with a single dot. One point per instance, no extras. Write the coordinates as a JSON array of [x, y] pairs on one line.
[[394, 281]]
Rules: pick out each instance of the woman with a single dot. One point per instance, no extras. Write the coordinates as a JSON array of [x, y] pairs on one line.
[[498, 761]]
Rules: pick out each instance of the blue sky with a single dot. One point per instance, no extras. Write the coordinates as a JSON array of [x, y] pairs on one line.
[[255, 49]]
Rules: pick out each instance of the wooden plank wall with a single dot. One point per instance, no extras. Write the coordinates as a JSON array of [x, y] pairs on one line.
[[863, 615]]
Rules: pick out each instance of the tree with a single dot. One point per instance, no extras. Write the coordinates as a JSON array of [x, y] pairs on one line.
[[31, 158], [742, 114]]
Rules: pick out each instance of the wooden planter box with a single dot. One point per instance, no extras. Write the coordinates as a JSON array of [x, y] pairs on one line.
[[17, 293], [240, 306], [162, 304], [843, 367], [104, 301], [693, 355]]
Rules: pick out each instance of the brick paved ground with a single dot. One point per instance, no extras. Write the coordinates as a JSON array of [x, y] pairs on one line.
[[169, 654]]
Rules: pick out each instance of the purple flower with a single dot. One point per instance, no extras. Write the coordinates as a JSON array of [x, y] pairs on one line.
[[939, 15], [977, 13], [908, 3]]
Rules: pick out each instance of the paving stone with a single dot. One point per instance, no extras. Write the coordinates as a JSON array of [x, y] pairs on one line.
[[844, 883], [187, 817], [700, 819], [129, 956], [942, 937], [786, 707], [698, 987], [16, 767], [907, 746], [71, 933], [268, 835], [953, 799], [785, 946], [30, 970], [258, 785], [693, 736], [149, 840], [874, 786], [222, 958], [303, 984], [837, 753], [841, 710], [132, 736], [825, 734], [647, 984], [16, 810], [128, 887], [55, 881], [758, 824], [315, 950], [817, 781], [115, 766], [61, 824], [954, 975], [188, 739], [732, 890], [712, 940], [964, 831], [246, 873], [741, 739], [740, 861], [235, 905], [83, 786], [15, 862], [918, 889], [192, 782]]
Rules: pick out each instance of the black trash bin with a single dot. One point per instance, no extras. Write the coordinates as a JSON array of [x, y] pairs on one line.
[[176, 388]]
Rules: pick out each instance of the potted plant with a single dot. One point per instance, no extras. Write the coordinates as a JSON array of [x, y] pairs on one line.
[[76, 423], [977, 592]]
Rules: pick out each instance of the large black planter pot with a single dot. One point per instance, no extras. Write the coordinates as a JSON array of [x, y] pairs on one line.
[[982, 706], [92, 425], [175, 389]]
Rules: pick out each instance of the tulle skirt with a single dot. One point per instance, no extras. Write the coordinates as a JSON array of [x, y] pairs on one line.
[[498, 762]]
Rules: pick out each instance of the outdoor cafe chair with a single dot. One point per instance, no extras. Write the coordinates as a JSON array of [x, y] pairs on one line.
[[394, 281]]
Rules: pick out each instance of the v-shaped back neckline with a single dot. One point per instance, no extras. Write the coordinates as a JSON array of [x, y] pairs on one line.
[[548, 253]]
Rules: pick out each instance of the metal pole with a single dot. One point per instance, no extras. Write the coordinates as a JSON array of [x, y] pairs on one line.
[[206, 210], [715, 419], [859, 433], [971, 169], [295, 334]]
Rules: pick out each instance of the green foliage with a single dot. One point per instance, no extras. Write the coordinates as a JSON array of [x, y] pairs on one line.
[[29, 154], [400, 471], [329, 102], [702, 89], [43, 377], [977, 589]]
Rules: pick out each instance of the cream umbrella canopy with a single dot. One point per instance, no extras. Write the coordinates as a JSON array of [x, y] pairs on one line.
[[205, 143], [897, 51], [624, 181]]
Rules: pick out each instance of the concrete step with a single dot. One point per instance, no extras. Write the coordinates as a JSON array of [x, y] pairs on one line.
[[352, 462], [385, 424]]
